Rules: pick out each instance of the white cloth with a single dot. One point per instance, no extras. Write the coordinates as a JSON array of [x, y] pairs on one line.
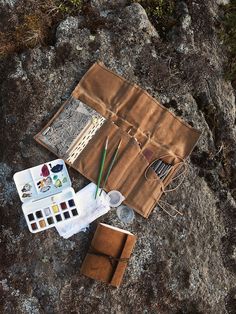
[[89, 209]]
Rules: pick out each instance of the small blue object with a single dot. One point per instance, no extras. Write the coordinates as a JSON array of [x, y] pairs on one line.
[[56, 168], [71, 203]]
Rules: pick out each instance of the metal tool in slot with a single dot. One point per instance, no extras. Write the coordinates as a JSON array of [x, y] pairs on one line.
[[161, 168]]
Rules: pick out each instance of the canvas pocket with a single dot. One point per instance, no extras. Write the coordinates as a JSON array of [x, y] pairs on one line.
[[127, 175], [88, 163]]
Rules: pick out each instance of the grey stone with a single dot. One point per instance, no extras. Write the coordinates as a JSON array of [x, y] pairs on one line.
[[102, 5], [183, 35], [181, 265], [10, 3]]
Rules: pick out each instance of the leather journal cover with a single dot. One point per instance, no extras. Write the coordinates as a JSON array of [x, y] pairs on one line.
[[109, 254], [112, 106]]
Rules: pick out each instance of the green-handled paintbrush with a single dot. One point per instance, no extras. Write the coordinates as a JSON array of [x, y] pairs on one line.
[[111, 165], [104, 153]]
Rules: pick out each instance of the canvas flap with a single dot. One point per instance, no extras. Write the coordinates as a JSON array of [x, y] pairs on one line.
[[134, 110]]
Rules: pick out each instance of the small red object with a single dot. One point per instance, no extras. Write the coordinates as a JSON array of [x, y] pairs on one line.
[[45, 171]]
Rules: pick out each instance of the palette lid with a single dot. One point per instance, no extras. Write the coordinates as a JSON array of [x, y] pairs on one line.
[[41, 181]]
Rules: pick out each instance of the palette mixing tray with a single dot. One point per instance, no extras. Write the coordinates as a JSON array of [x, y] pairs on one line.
[[47, 196]]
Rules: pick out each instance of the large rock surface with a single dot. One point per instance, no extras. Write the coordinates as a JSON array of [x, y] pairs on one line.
[[181, 265]]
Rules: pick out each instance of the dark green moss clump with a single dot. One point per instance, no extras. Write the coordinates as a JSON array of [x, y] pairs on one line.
[[70, 7], [37, 20], [160, 13], [228, 34]]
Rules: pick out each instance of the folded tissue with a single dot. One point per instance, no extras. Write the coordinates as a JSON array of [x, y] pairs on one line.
[[89, 209]]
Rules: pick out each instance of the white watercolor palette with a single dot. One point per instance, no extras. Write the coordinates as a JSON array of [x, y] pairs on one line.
[[43, 180], [47, 196]]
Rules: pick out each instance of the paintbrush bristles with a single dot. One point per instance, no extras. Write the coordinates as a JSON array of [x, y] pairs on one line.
[[106, 144], [119, 144]]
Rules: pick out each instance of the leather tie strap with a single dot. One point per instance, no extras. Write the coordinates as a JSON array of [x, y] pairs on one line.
[[112, 259], [163, 204]]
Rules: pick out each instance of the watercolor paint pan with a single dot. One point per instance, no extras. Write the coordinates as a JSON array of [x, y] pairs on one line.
[[48, 212]]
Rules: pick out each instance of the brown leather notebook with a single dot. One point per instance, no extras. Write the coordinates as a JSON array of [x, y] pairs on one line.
[[109, 254]]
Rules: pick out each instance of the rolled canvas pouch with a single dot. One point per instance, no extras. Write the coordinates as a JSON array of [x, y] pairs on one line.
[[147, 129]]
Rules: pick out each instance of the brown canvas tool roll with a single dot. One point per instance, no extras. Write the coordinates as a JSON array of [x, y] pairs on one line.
[[147, 129]]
